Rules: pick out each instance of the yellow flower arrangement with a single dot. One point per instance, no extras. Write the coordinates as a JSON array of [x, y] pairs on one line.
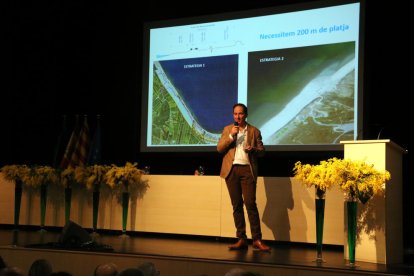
[[126, 175], [357, 179], [319, 176], [127, 178], [16, 173], [92, 176], [40, 175]]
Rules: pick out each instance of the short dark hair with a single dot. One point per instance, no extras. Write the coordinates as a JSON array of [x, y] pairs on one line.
[[242, 105]]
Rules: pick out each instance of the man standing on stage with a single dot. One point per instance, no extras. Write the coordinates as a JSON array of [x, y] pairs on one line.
[[241, 144]]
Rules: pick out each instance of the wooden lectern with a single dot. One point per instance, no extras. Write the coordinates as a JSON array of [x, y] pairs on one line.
[[379, 226]]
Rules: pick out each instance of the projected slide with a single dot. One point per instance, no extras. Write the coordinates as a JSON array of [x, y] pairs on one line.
[[296, 71]]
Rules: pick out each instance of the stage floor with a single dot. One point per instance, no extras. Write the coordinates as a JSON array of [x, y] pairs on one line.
[[202, 248]]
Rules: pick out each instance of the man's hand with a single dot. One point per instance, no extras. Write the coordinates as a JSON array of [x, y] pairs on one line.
[[248, 148], [234, 131]]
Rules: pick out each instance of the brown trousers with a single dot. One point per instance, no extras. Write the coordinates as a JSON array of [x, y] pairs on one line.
[[242, 189]]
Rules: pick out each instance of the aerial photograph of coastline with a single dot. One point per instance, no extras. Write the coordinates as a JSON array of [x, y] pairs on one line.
[[192, 99], [303, 95]]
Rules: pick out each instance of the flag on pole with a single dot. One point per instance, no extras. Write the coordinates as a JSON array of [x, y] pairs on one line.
[[80, 152], [94, 156], [71, 145]]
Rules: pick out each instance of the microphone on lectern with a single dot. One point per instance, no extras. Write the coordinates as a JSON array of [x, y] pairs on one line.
[[379, 133]]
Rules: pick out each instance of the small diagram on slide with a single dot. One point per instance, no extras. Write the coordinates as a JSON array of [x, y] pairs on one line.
[[303, 95], [192, 99]]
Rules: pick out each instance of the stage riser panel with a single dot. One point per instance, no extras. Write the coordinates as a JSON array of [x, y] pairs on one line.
[[193, 205]]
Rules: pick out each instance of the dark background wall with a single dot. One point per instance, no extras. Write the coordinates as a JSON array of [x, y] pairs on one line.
[[85, 57]]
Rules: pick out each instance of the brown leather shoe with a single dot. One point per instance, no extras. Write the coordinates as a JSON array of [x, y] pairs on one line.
[[241, 244], [259, 245]]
